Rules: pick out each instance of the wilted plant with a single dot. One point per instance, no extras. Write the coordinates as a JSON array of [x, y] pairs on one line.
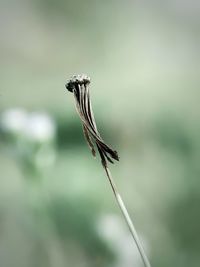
[[79, 86]]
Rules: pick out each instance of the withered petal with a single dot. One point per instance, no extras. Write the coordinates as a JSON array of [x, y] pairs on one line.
[[84, 109]]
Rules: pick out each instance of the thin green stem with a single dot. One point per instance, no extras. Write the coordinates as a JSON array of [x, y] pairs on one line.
[[128, 219]]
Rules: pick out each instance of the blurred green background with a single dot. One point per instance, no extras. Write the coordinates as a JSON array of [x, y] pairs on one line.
[[56, 206]]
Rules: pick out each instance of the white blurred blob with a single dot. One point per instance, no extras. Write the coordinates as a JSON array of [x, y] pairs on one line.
[[40, 127], [14, 120], [114, 230], [33, 135], [36, 127]]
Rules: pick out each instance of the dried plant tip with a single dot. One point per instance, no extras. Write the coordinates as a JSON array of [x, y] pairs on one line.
[[77, 80], [78, 85]]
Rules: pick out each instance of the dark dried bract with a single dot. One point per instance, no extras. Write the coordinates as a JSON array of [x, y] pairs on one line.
[[75, 80], [78, 84]]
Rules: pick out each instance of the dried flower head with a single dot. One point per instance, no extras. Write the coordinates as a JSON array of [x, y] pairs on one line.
[[79, 86]]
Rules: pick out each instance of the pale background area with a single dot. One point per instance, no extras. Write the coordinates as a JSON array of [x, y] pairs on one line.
[[56, 207]]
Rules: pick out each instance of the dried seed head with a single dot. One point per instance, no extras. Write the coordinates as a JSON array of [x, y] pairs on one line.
[[77, 80], [78, 85]]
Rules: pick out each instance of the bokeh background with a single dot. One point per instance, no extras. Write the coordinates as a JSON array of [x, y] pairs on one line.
[[56, 206]]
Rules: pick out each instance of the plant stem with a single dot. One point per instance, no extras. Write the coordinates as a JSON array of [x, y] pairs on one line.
[[127, 219]]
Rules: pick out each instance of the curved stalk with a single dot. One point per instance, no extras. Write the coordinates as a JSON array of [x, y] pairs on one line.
[[127, 219]]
